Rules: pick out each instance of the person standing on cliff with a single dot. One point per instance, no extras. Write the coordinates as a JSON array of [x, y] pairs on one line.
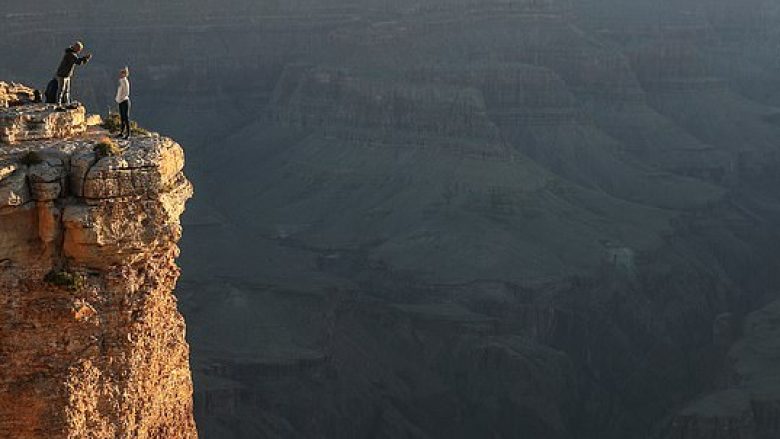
[[66, 69], [123, 99]]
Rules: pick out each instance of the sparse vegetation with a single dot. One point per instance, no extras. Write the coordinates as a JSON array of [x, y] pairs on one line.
[[107, 148], [65, 279], [137, 130], [113, 123], [31, 158]]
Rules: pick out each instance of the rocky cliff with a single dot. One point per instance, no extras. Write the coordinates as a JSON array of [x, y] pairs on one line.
[[450, 218], [748, 404], [91, 341]]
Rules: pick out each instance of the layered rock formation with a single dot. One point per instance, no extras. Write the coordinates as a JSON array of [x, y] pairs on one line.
[[748, 405], [13, 94], [450, 218], [91, 341], [23, 118]]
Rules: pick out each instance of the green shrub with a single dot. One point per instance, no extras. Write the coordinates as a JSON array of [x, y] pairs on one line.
[[113, 123], [31, 158], [65, 279], [107, 148]]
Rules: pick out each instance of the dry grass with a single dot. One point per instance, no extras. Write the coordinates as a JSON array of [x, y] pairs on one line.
[[113, 123], [107, 148]]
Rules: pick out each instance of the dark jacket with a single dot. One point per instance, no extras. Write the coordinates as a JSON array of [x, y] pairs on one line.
[[69, 63]]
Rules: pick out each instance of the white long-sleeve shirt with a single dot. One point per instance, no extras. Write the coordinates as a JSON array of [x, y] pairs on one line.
[[123, 91]]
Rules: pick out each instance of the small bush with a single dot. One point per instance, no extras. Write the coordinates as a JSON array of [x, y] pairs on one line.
[[31, 158], [65, 279], [137, 130], [107, 148], [113, 123]]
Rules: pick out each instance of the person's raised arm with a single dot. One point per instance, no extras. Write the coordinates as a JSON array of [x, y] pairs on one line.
[[84, 59]]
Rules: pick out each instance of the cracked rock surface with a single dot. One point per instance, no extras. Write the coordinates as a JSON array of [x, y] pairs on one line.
[[98, 352]]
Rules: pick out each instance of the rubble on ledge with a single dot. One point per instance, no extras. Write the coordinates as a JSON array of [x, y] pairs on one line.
[[13, 94]]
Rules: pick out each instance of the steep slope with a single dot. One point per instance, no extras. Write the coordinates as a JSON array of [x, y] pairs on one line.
[[747, 404], [453, 218], [516, 179], [91, 341]]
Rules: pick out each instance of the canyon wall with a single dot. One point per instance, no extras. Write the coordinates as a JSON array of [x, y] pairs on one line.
[[454, 218], [91, 342]]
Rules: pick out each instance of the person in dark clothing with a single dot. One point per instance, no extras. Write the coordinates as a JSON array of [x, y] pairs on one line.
[[123, 99], [66, 69]]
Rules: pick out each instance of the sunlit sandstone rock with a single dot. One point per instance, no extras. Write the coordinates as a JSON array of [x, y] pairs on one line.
[[99, 351]]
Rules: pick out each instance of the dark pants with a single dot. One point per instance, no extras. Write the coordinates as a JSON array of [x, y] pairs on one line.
[[124, 114]]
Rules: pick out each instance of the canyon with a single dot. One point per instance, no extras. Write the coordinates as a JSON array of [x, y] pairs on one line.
[[456, 219]]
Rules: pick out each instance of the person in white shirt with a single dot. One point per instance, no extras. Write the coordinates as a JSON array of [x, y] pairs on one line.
[[123, 99]]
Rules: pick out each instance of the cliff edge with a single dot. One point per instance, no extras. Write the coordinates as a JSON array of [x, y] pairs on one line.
[[92, 344]]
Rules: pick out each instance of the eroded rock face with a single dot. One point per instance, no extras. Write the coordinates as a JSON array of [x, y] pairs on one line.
[[97, 351], [749, 408], [40, 121], [12, 94], [23, 116]]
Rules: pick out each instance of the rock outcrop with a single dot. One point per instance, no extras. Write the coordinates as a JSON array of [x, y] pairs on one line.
[[749, 408], [13, 94], [91, 341], [23, 118]]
